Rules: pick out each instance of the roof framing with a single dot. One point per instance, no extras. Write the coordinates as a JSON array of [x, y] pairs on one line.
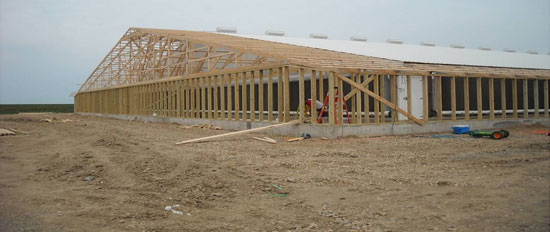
[[144, 54]]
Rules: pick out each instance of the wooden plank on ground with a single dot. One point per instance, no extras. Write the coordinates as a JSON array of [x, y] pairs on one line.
[[294, 122]]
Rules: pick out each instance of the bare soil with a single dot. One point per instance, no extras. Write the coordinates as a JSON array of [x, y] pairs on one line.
[[98, 174]]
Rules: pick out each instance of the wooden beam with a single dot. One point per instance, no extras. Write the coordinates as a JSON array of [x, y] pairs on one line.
[[453, 98], [261, 95], [503, 97], [479, 99], [491, 99], [366, 103], [525, 98], [409, 94], [209, 97], [466, 98], [331, 98], [393, 91], [280, 97], [239, 132], [313, 97], [228, 78], [340, 104], [536, 97], [222, 96], [515, 97], [301, 94], [237, 96], [252, 96], [382, 100], [546, 100], [358, 111], [382, 94], [286, 90], [244, 77], [270, 95], [376, 102], [439, 99], [216, 95], [203, 98], [364, 84]]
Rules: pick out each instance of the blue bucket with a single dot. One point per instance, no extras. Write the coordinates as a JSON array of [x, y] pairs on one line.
[[461, 129]]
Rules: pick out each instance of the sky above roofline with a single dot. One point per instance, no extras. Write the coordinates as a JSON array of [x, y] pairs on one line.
[[49, 48]]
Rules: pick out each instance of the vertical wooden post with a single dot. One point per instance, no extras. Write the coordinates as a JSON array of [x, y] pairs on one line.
[[253, 96], [359, 118], [280, 97], [340, 101], [229, 97], [439, 99], [203, 97], [409, 95], [366, 103], [237, 97], [222, 96], [313, 91], [331, 98], [376, 102], [209, 84], [286, 82], [261, 95], [215, 86], [515, 97], [536, 97], [525, 98], [353, 101], [382, 95], [453, 98], [270, 95], [503, 97], [301, 95], [198, 102], [479, 99], [169, 92], [491, 99], [393, 91], [466, 98], [546, 111], [245, 96], [322, 94]]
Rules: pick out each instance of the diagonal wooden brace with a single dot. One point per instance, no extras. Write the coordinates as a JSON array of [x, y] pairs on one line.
[[354, 91], [380, 99]]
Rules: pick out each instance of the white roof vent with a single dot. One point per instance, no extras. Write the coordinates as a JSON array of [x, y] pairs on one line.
[[318, 36], [226, 29], [275, 33], [484, 48], [394, 41], [457, 46], [532, 52], [358, 38], [427, 44], [509, 50]]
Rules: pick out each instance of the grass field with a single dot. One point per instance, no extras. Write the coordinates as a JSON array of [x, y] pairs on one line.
[[18, 108]]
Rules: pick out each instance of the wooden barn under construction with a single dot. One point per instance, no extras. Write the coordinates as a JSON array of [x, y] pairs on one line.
[[335, 87]]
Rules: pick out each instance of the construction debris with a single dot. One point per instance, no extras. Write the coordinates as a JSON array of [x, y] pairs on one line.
[[294, 122], [265, 139], [4, 132]]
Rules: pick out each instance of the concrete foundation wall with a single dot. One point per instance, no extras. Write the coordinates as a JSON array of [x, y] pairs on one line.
[[338, 131]]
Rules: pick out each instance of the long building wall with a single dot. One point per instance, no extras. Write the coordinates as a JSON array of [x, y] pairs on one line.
[[272, 94]]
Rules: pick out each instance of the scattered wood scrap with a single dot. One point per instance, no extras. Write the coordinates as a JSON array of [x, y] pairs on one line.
[[265, 139], [294, 122], [4, 132], [295, 139]]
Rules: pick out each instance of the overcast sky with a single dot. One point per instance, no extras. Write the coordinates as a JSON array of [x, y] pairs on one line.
[[49, 47]]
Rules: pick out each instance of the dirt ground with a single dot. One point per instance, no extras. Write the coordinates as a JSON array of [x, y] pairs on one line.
[[97, 174]]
